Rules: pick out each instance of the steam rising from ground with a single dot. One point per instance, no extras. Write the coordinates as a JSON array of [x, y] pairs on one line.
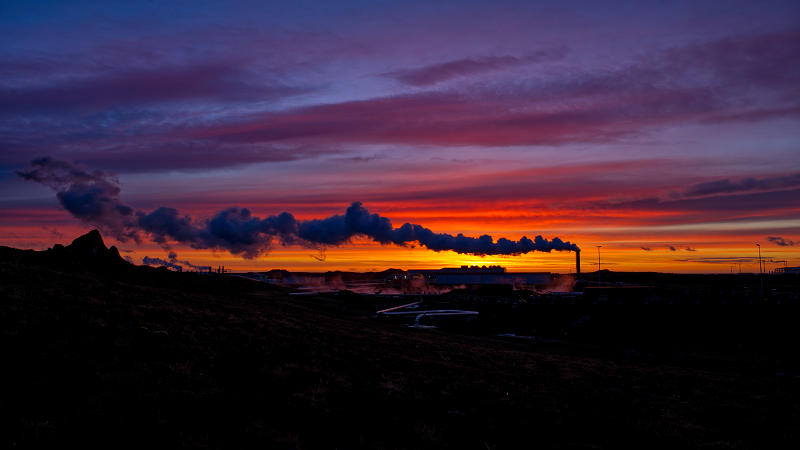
[[93, 198], [564, 283], [173, 262], [419, 286], [371, 286]]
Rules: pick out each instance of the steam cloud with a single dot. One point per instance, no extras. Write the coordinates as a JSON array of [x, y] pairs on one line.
[[147, 261], [93, 198], [173, 262]]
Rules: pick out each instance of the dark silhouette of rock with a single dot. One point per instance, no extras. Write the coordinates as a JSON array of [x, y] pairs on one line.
[[87, 251], [91, 249]]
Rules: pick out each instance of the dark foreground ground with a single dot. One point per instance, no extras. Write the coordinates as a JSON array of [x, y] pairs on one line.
[[242, 364]]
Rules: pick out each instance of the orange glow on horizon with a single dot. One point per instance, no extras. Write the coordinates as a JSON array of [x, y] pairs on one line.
[[628, 244]]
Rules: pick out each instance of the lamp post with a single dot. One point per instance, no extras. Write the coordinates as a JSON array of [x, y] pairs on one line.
[[760, 269], [599, 276]]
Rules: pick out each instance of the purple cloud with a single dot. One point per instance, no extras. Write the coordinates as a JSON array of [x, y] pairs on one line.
[[728, 186], [437, 73], [781, 242], [218, 82], [114, 116]]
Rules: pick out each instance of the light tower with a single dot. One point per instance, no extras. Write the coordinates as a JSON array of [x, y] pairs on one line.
[[760, 270], [599, 276]]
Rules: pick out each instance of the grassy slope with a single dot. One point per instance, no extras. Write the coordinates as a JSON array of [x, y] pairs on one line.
[[245, 364]]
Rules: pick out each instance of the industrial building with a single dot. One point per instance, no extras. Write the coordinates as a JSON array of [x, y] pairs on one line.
[[475, 275], [787, 270]]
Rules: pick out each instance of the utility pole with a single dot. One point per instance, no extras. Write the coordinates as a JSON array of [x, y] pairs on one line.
[[760, 268]]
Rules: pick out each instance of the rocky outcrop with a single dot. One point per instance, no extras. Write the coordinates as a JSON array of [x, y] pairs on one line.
[[88, 251], [91, 249]]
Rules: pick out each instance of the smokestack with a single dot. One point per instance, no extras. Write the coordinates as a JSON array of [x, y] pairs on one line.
[[578, 263]]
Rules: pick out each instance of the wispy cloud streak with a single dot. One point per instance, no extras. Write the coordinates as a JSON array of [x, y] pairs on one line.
[[202, 105], [781, 242], [437, 73], [728, 186], [138, 88]]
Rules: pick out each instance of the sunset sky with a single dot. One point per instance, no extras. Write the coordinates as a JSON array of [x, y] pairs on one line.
[[666, 132]]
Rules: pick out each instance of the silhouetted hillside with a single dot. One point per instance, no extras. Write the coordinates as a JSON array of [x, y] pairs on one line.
[[142, 357], [88, 250]]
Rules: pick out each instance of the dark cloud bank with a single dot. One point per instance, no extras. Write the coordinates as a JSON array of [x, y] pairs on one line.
[[93, 197]]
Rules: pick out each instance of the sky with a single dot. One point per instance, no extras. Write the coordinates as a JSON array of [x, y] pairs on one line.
[[667, 133]]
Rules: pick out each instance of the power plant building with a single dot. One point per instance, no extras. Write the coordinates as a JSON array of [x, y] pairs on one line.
[[482, 275]]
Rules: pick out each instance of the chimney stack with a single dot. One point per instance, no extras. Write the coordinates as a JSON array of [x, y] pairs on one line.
[[578, 263]]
